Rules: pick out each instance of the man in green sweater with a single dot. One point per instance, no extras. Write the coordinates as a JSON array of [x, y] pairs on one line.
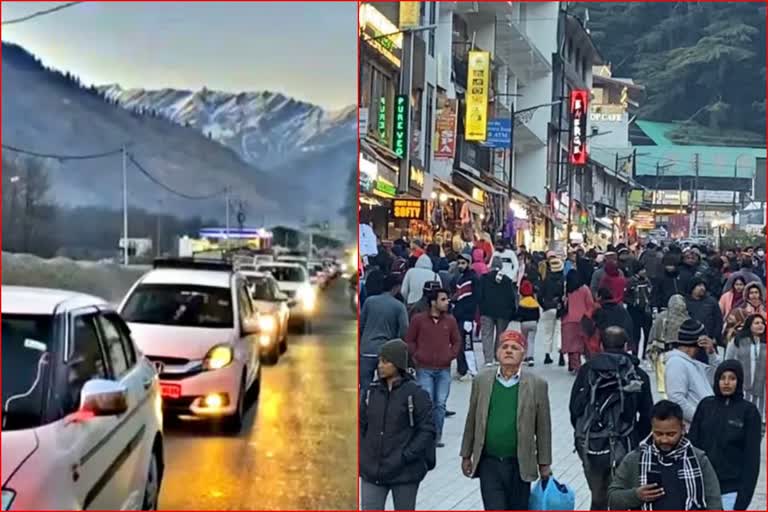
[[508, 437]]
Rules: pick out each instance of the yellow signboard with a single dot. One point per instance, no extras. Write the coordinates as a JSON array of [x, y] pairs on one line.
[[417, 177], [478, 77], [410, 12]]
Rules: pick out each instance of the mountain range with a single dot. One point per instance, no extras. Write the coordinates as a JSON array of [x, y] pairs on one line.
[[287, 159]]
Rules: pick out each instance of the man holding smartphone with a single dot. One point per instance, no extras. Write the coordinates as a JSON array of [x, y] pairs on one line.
[[666, 472]]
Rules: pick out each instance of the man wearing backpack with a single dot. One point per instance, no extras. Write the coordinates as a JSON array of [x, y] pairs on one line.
[[610, 410], [397, 433]]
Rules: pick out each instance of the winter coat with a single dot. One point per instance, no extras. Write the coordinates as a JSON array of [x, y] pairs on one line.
[[735, 450], [509, 263], [467, 296], [727, 302], [748, 306], [552, 292], [688, 381], [414, 280], [707, 311], [667, 324], [747, 275], [609, 315], [714, 280], [753, 384], [395, 441], [651, 260], [687, 273], [580, 304], [478, 262], [666, 286], [497, 298], [614, 280]]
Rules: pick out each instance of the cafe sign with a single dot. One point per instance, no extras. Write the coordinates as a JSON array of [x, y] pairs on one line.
[[408, 209]]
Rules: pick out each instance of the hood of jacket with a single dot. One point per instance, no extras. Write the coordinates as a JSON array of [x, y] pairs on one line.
[[730, 365], [751, 285], [424, 261], [677, 305], [478, 256]]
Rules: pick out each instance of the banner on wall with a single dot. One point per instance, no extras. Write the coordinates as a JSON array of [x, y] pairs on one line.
[[445, 129], [478, 77]]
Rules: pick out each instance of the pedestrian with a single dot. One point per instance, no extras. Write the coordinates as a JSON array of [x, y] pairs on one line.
[[397, 434], [638, 301], [735, 450], [551, 298], [465, 303], [704, 308], [733, 298], [415, 278], [478, 262], [382, 318], [746, 271], [579, 305], [434, 342], [754, 299], [611, 258], [528, 314], [611, 313], [610, 411], [509, 262], [688, 380], [507, 440], [666, 472], [748, 347], [669, 283], [497, 308], [422, 306]]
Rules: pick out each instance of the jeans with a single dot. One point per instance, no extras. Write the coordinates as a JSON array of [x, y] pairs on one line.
[[641, 323], [548, 331], [490, 330], [374, 497], [729, 500], [437, 383], [368, 365], [528, 330], [501, 486], [598, 480]]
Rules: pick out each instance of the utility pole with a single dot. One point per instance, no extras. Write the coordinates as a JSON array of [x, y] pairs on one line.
[[227, 217], [733, 208], [125, 205], [696, 193], [406, 86]]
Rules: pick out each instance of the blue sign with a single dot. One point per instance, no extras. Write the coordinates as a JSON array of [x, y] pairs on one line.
[[499, 134]]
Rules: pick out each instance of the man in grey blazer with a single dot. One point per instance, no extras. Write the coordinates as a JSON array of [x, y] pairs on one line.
[[507, 439]]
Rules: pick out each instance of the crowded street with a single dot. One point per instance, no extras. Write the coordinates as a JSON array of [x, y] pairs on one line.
[[301, 427]]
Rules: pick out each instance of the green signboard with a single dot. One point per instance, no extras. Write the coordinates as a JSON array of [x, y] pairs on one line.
[[385, 188], [382, 119], [400, 138]]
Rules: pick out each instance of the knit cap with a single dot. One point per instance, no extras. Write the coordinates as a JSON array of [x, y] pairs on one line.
[[396, 352], [690, 332]]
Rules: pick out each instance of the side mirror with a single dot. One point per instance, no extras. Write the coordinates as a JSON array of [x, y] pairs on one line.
[[282, 297], [100, 397], [251, 325]]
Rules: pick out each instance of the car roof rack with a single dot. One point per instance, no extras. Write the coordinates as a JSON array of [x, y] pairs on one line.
[[193, 264]]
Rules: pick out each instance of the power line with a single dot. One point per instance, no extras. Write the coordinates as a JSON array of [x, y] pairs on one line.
[[62, 157], [170, 189], [40, 13]]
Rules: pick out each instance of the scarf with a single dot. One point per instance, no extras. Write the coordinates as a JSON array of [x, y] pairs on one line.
[[690, 474]]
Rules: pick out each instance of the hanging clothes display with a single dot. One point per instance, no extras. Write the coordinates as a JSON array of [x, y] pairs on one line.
[[465, 215], [510, 233]]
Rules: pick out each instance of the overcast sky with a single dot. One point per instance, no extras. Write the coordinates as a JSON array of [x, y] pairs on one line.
[[306, 50]]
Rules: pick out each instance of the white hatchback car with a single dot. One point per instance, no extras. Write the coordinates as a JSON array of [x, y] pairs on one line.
[[196, 323], [82, 418], [293, 280]]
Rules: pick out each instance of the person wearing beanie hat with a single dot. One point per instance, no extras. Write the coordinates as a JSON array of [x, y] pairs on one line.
[[507, 439], [528, 315], [687, 379], [398, 461], [555, 264]]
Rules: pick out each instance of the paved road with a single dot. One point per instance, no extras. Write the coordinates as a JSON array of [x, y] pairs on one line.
[[446, 488], [298, 448]]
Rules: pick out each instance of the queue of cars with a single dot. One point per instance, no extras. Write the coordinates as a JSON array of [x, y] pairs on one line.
[[86, 385]]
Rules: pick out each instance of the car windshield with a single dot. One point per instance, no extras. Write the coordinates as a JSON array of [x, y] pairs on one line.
[[260, 289], [290, 274], [26, 364], [181, 305]]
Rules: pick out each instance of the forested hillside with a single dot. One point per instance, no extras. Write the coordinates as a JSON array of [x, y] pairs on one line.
[[700, 61]]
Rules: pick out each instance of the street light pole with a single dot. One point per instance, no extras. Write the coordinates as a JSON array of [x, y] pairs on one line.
[[125, 205]]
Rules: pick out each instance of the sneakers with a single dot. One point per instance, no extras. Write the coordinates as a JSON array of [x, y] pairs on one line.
[[448, 413], [528, 361]]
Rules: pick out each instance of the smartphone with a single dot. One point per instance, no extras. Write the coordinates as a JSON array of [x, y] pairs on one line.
[[654, 477]]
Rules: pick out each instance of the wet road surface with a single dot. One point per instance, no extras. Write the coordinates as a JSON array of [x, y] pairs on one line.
[[298, 447]]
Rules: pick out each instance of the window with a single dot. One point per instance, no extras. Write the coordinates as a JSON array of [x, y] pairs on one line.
[[115, 347], [432, 21], [180, 305], [244, 301], [261, 288], [382, 98], [288, 274], [428, 129], [86, 360]]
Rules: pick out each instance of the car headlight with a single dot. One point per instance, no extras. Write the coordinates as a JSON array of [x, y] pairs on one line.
[[267, 323], [218, 357], [8, 496], [307, 297]]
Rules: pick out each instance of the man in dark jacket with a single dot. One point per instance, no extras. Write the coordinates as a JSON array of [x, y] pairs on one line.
[[651, 259], [669, 283], [466, 298], [397, 433], [434, 342], [636, 409], [705, 308], [728, 428], [690, 267], [611, 313], [497, 307], [551, 298]]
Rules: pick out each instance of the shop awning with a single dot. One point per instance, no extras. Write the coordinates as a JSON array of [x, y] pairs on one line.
[[480, 184], [604, 223], [453, 190]]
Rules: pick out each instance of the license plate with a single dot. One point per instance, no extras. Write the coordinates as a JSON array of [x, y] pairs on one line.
[[170, 390]]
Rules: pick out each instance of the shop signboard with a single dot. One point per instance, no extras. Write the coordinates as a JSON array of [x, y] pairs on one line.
[[362, 121], [408, 209], [644, 220], [579, 106], [445, 129], [499, 134], [478, 77], [380, 33], [679, 226], [382, 120], [400, 137], [384, 188], [410, 12]]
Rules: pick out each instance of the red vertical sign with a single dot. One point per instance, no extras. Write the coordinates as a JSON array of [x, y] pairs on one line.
[[579, 108]]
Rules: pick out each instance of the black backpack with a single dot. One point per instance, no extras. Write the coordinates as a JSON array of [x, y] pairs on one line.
[[603, 431]]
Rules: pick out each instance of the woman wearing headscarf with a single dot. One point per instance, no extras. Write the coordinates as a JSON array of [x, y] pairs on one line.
[[614, 281], [579, 304], [749, 349], [754, 299], [734, 297], [733, 325], [664, 331]]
